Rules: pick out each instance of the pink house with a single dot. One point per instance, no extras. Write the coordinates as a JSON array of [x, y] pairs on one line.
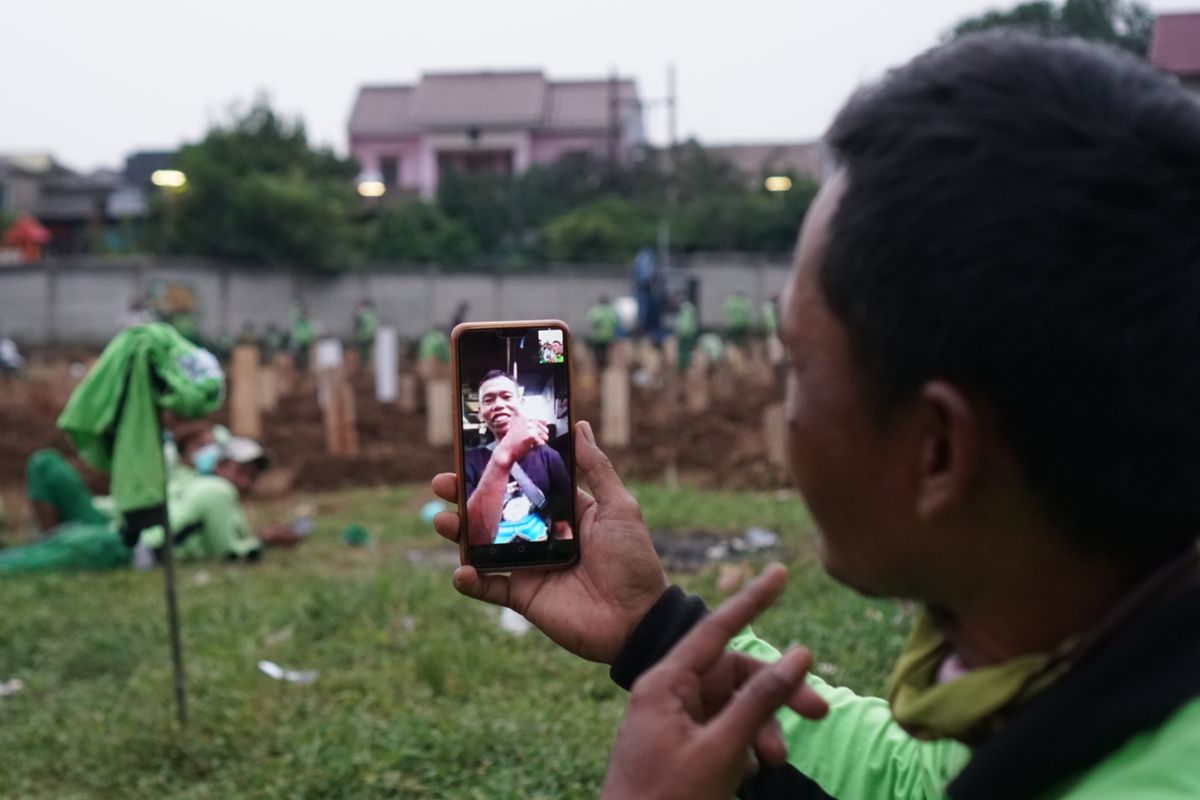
[[406, 136], [1175, 47]]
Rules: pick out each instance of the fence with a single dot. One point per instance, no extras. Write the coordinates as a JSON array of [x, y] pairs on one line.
[[81, 301]]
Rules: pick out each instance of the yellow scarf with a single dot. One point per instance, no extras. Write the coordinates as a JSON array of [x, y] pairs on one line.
[[970, 706], [974, 705]]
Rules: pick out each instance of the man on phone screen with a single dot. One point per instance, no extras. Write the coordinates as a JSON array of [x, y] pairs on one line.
[[517, 486]]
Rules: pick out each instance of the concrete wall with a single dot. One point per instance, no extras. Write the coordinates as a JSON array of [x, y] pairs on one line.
[[81, 301]]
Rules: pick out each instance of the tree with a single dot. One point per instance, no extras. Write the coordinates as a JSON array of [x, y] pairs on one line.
[[414, 232], [606, 231], [1123, 23], [257, 192]]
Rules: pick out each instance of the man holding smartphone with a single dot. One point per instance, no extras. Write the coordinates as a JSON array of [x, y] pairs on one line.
[[992, 399], [516, 483]]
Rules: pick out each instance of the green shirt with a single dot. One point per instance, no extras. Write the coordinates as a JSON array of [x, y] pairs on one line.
[[770, 322], [434, 345], [207, 520], [687, 321], [365, 325], [739, 313], [603, 320], [50, 479], [302, 332]]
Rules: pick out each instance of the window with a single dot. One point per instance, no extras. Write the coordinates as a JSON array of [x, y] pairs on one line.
[[389, 167]]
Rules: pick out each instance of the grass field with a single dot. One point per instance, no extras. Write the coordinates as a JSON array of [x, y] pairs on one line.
[[421, 693]]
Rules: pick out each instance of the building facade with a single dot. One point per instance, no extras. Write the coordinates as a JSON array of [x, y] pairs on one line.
[[407, 136], [1175, 47]]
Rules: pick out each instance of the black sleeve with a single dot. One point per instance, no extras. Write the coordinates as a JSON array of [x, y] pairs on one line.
[[558, 494], [472, 470], [667, 621]]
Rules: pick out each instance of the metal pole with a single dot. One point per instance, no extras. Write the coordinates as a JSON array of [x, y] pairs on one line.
[[178, 677], [177, 674]]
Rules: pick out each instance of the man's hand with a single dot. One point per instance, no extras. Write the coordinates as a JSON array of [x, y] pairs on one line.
[[591, 608], [523, 435], [693, 718]]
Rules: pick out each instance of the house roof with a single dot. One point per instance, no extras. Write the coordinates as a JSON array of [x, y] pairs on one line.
[[587, 104], [522, 99], [1175, 44], [483, 98]]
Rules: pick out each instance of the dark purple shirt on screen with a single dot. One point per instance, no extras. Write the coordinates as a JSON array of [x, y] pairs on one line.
[[545, 469]]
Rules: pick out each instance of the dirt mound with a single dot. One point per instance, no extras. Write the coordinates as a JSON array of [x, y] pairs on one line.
[[722, 446]]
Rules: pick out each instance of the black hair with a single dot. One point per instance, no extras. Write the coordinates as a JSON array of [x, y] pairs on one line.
[[495, 373], [1022, 218]]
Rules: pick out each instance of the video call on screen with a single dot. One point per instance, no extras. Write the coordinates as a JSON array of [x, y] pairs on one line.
[[514, 402]]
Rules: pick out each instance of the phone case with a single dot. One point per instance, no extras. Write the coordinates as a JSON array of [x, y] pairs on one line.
[[459, 469]]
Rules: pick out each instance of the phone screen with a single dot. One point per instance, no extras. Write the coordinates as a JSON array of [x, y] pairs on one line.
[[517, 460]]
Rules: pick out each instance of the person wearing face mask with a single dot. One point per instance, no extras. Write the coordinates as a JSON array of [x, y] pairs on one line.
[[193, 448], [207, 520]]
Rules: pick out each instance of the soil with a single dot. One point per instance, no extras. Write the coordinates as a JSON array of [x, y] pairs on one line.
[[722, 446]]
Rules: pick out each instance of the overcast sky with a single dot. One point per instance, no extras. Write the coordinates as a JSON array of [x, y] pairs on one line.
[[92, 81]]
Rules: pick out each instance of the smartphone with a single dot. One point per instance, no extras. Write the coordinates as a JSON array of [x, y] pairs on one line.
[[514, 448]]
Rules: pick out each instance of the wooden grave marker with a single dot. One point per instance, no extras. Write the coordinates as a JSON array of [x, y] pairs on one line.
[[439, 412], [774, 430], [616, 425], [245, 413]]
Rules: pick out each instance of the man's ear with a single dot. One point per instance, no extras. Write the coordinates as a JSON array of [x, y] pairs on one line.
[[949, 448]]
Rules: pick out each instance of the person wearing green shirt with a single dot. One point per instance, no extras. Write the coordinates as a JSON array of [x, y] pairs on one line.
[[185, 323], [302, 336], [739, 318], [434, 346], [366, 323], [57, 492], [991, 413], [603, 323], [205, 513], [687, 331], [770, 320]]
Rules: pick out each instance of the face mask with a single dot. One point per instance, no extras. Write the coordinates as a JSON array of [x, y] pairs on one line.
[[205, 459]]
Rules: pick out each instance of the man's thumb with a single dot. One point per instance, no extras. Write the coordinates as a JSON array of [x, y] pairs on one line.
[[598, 471]]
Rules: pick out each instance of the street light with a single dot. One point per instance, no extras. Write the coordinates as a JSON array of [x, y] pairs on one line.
[[777, 183], [370, 184], [168, 178]]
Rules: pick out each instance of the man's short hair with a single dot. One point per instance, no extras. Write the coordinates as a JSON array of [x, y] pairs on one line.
[[493, 374], [1022, 218]]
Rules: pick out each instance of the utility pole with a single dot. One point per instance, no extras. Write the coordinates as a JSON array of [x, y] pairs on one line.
[[614, 124], [672, 189]]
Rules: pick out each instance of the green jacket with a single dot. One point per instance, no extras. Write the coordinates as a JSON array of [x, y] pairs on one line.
[[858, 751], [1123, 722], [112, 417]]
